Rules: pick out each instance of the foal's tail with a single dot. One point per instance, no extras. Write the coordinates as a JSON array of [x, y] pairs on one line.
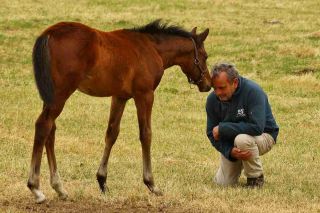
[[42, 68]]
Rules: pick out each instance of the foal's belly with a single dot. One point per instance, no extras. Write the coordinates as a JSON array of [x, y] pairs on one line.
[[100, 87], [93, 91]]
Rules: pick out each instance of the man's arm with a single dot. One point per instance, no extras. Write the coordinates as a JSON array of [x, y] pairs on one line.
[[256, 122], [224, 147]]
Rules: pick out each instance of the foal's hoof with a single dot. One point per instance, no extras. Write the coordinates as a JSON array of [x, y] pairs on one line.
[[40, 198]]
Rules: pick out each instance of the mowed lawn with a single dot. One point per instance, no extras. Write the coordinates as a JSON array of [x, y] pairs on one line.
[[275, 43]]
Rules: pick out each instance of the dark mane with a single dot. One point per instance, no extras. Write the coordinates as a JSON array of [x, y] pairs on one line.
[[157, 27]]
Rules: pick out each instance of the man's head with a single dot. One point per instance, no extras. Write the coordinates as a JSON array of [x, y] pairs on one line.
[[225, 80]]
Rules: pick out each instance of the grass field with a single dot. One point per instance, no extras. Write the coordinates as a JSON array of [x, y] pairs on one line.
[[275, 43]]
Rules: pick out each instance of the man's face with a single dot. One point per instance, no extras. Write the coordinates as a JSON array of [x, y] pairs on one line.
[[223, 88]]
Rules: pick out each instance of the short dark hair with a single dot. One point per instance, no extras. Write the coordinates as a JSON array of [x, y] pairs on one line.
[[228, 68]]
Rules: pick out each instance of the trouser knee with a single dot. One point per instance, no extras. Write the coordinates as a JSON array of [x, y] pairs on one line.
[[244, 141]]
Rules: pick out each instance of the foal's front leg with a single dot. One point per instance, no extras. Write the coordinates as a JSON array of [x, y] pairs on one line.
[[144, 104], [116, 111]]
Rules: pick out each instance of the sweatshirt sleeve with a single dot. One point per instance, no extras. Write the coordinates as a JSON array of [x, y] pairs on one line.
[[224, 147], [256, 118]]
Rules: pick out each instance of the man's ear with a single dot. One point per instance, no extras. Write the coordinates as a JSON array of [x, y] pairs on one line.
[[236, 82], [202, 36]]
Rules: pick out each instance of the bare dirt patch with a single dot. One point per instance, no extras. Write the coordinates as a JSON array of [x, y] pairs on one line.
[[72, 206]]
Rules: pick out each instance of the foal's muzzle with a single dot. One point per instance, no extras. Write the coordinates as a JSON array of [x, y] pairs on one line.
[[205, 88]]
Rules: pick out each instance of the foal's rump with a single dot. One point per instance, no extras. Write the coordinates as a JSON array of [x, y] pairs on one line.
[[72, 47], [62, 56]]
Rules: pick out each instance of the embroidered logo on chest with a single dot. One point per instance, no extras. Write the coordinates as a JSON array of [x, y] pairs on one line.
[[241, 113]]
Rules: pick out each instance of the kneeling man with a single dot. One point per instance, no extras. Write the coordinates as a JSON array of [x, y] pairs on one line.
[[240, 125]]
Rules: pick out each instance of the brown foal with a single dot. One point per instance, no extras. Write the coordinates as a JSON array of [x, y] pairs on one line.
[[124, 64]]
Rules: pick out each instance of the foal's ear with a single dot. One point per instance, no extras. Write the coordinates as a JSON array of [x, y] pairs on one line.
[[194, 31], [202, 36]]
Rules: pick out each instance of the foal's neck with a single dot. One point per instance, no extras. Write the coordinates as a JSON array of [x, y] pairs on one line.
[[172, 49]]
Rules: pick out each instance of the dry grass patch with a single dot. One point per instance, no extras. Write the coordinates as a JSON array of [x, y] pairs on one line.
[[298, 51]]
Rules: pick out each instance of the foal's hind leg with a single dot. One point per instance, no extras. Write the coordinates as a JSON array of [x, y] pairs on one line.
[[116, 111], [54, 175], [144, 104], [43, 128]]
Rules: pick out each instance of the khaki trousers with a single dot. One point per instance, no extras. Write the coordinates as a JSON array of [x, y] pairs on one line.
[[229, 172]]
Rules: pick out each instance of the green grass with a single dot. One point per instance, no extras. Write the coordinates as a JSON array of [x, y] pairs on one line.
[[276, 43]]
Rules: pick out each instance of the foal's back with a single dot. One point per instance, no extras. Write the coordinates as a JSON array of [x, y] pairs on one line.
[[102, 63]]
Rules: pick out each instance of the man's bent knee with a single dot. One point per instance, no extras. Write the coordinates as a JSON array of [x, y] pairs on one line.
[[244, 141]]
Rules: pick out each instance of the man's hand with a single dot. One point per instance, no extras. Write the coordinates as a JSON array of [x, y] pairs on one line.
[[240, 155], [215, 133]]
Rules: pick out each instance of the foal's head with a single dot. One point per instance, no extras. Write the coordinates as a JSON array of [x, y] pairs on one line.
[[190, 55], [194, 63]]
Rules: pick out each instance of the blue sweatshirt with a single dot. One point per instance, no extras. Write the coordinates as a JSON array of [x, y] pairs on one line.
[[248, 112]]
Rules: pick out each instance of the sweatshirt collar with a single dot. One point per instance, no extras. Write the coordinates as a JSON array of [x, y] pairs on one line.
[[237, 92]]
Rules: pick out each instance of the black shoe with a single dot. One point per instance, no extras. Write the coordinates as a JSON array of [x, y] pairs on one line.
[[255, 182]]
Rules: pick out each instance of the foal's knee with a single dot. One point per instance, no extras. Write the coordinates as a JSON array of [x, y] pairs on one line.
[[112, 129], [112, 132], [145, 134], [244, 141]]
